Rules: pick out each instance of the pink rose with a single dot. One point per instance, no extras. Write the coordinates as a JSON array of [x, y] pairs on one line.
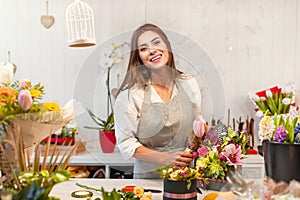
[[195, 154], [25, 99], [202, 151]]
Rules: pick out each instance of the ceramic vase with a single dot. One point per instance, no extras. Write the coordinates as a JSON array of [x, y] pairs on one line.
[[107, 141]]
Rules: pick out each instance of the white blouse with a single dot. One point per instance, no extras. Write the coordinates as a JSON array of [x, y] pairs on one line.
[[128, 105]]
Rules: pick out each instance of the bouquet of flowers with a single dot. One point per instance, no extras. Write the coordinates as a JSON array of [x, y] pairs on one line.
[[274, 100], [279, 129], [216, 152], [21, 108]]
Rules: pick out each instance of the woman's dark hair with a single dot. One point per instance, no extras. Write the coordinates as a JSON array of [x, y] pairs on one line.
[[137, 73]]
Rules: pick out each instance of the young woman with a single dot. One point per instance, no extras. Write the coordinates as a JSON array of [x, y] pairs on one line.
[[155, 106]]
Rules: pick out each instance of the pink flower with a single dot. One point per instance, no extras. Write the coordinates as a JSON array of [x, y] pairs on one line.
[[202, 151], [233, 154], [192, 145], [24, 83], [198, 127], [183, 173], [221, 157], [195, 154], [25, 99]]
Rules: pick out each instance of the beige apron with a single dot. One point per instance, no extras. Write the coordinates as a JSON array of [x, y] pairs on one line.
[[164, 127]]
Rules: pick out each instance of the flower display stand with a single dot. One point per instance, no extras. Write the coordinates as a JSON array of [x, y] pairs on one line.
[[179, 190], [282, 161]]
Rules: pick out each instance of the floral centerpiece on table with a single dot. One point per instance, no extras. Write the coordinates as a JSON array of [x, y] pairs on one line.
[[216, 152], [177, 173]]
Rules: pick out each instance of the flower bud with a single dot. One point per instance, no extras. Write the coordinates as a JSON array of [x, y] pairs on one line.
[[198, 127], [25, 99], [6, 73], [269, 93], [286, 101]]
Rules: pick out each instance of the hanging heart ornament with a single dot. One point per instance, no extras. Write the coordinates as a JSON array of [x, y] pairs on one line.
[[47, 20]]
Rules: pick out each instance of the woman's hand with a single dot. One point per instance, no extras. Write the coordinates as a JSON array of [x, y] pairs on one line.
[[180, 158]]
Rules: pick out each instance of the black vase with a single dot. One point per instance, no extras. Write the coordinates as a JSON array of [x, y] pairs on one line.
[[179, 190], [282, 161]]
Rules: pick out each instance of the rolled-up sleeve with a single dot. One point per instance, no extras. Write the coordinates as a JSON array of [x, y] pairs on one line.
[[126, 121]]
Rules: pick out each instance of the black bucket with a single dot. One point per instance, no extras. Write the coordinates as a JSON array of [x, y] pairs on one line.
[[179, 190], [282, 161]]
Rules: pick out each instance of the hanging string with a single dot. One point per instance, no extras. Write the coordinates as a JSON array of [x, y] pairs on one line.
[[47, 3], [145, 11]]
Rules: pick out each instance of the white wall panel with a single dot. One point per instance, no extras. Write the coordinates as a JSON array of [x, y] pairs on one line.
[[254, 44]]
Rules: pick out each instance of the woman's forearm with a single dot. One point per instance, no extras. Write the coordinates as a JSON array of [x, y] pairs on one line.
[[150, 155]]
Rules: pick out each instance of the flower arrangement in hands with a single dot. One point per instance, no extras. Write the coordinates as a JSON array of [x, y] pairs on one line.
[[274, 100], [213, 157]]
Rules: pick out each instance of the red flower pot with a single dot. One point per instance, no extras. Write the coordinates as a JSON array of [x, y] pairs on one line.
[[107, 141]]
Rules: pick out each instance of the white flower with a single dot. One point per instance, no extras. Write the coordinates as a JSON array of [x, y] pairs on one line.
[[266, 128], [6, 73], [286, 101], [262, 98], [253, 96], [259, 113], [269, 93]]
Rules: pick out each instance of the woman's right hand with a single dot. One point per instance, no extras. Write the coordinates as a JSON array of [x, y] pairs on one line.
[[179, 158]]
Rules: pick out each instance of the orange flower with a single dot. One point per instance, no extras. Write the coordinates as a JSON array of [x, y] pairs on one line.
[[51, 106], [6, 94]]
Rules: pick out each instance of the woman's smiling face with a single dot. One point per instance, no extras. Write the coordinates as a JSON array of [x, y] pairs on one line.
[[152, 50]]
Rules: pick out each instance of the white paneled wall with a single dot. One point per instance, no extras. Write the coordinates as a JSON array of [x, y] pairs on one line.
[[253, 44]]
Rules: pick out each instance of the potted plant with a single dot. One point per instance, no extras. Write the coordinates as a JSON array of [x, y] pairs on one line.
[[279, 131], [106, 131]]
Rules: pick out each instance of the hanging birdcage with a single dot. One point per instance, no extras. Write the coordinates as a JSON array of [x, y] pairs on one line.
[[80, 25]]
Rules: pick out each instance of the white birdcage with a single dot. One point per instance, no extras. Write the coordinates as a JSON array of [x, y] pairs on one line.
[[80, 24]]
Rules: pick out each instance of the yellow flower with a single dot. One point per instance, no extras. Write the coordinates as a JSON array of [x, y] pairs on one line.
[[51, 106], [146, 196], [138, 191], [35, 93], [6, 94]]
